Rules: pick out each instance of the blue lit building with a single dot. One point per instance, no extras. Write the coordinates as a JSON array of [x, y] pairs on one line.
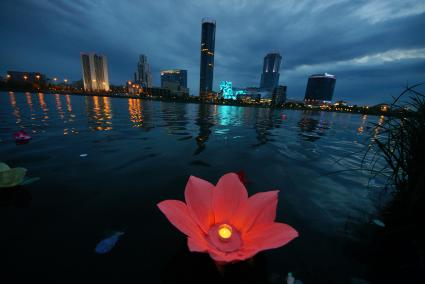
[[207, 57], [320, 89], [174, 76], [227, 90], [270, 75]]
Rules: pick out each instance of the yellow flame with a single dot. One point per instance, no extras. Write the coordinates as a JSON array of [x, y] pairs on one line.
[[225, 231]]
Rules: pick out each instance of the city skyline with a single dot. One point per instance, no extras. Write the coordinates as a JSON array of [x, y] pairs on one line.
[[374, 50]]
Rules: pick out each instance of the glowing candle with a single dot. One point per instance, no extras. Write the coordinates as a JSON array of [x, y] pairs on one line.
[[224, 232]]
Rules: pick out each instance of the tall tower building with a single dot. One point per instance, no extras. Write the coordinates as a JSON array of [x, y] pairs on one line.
[[270, 75], [207, 57], [95, 72], [320, 89], [143, 75]]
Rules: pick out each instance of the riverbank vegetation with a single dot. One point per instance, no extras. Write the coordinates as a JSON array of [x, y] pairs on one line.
[[397, 251]]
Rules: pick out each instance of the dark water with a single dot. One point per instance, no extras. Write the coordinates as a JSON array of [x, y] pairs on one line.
[[142, 152]]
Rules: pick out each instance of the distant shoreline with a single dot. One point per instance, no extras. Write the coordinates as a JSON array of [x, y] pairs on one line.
[[286, 106]]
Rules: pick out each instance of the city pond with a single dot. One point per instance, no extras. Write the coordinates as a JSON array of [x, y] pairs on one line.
[[104, 163]]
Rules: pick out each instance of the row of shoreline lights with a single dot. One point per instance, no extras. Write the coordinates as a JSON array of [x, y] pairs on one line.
[[65, 80]]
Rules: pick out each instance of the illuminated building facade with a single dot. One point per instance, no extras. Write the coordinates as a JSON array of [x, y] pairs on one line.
[[95, 72], [134, 88], [175, 81], [207, 57], [270, 75], [175, 75], [320, 89], [226, 90], [143, 75]]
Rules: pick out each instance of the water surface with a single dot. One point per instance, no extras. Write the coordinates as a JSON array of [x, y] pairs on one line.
[[142, 152]]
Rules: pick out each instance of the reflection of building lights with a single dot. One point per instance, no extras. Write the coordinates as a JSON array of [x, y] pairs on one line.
[[58, 104], [135, 112], [68, 103], [43, 105], [29, 100]]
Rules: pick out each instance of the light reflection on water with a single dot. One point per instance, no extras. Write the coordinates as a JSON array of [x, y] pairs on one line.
[[98, 110], [100, 116], [140, 152]]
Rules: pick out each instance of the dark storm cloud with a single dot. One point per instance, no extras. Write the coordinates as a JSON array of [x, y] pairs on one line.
[[373, 47]]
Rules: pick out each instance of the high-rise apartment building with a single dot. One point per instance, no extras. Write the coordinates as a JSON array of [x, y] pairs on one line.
[[270, 75], [95, 72], [207, 57], [320, 89], [143, 74]]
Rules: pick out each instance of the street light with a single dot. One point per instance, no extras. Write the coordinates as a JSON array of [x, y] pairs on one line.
[[65, 80], [55, 79]]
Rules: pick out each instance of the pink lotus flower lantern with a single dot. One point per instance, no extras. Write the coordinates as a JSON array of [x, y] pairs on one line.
[[222, 221], [21, 136]]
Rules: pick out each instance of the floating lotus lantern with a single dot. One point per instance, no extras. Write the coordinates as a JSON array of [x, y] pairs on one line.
[[221, 220], [21, 136], [11, 177]]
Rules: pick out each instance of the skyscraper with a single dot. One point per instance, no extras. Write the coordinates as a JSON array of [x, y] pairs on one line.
[[143, 75], [279, 96], [95, 72], [207, 57], [175, 76], [270, 75], [320, 89]]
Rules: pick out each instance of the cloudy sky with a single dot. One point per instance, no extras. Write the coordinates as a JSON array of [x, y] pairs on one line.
[[373, 47]]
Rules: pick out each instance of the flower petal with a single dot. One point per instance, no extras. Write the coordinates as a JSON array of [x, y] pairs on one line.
[[197, 244], [268, 236], [178, 214], [12, 177], [228, 194], [260, 208], [198, 195], [223, 258]]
